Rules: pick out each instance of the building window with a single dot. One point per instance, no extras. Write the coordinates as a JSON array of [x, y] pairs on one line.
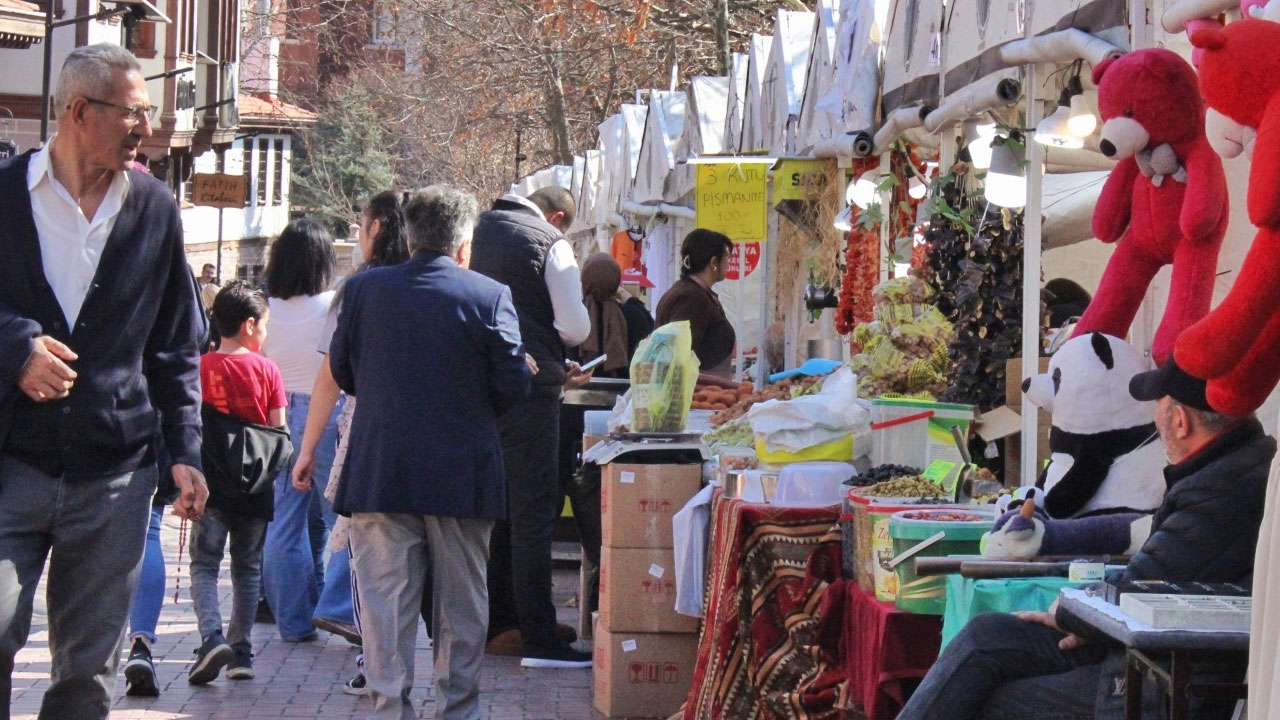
[[143, 40], [277, 188], [251, 274], [263, 146], [384, 25], [246, 154]]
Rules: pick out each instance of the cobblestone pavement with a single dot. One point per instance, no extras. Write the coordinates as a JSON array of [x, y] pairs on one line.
[[300, 680]]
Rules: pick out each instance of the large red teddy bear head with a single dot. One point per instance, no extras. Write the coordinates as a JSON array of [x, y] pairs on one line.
[[1240, 81], [1146, 99]]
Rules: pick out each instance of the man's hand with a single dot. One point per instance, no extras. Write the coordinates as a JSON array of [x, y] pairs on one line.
[[1050, 620], [192, 492], [303, 467], [46, 376], [533, 364], [622, 296], [577, 378]]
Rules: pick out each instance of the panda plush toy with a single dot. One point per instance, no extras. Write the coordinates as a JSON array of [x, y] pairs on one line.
[[1106, 456]]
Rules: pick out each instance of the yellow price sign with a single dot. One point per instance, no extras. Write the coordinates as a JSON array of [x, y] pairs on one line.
[[799, 179], [731, 198]]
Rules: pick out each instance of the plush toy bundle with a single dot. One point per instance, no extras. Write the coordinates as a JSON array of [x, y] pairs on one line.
[[1165, 201], [1237, 347]]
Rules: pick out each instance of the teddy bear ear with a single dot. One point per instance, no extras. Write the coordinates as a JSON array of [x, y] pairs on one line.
[[1208, 38], [1101, 68]]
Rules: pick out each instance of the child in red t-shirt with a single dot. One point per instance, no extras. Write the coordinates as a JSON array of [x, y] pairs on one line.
[[239, 382]]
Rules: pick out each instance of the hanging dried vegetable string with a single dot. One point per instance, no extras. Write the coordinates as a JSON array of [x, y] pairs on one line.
[[861, 262]]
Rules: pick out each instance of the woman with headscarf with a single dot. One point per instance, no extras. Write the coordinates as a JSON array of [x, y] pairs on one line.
[[618, 321]]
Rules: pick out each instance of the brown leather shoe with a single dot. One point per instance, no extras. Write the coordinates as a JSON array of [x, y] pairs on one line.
[[510, 643], [507, 643]]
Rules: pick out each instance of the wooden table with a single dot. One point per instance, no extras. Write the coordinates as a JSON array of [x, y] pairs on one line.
[[1146, 647]]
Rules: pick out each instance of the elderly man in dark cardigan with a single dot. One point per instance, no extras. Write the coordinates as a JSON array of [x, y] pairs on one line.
[[100, 330]]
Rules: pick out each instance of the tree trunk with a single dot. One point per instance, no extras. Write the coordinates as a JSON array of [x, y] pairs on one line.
[[557, 114], [722, 35]]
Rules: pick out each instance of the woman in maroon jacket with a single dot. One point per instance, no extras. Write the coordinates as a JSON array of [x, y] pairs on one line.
[[704, 260]]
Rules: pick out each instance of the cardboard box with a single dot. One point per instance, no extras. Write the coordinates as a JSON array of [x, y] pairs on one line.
[[642, 675], [638, 591], [637, 502], [1013, 380]]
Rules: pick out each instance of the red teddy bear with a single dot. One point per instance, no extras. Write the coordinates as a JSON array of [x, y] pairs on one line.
[[1237, 347], [1167, 197]]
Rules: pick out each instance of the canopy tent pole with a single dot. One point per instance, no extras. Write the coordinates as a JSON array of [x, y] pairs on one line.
[[1031, 283]]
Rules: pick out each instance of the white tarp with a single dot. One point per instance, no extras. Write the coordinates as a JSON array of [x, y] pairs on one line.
[[814, 125], [850, 103], [586, 195], [613, 162], [913, 55], [736, 106], [632, 135], [704, 124], [1067, 207], [663, 125], [754, 131], [782, 91]]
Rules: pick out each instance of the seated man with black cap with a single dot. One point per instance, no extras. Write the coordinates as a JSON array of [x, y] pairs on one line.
[[1030, 665]]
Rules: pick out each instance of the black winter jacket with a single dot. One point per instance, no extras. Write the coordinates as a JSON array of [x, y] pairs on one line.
[[1207, 527]]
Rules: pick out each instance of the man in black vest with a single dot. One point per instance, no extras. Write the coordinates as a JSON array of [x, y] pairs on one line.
[[520, 243], [98, 319]]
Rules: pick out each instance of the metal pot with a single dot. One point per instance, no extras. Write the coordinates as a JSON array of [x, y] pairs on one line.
[[751, 485], [826, 348]]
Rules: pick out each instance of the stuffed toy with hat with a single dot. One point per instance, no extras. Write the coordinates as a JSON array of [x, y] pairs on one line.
[[1165, 201], [1237, 347], [1106, 455]]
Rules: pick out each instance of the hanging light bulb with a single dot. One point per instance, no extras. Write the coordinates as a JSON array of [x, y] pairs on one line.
[[1055, 130], [1083, 122], [844, 220], [1006, 182], [863, 192], [977, 138], [915, 188]]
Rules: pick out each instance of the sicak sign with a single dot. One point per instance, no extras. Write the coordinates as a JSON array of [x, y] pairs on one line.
[[218, 190], [731, 199]]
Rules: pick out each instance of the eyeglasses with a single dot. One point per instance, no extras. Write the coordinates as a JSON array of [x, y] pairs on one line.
[[136, 113]]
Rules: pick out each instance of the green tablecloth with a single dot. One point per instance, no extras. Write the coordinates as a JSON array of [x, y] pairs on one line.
[[967, 597]]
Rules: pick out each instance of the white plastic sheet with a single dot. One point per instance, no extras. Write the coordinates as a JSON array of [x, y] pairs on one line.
[[803, 422], [690, 528]]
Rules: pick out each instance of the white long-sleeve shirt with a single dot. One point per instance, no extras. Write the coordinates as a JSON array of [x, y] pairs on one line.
[[564, 284]]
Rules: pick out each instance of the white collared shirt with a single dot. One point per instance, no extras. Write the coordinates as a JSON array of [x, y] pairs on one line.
[[70, 244]]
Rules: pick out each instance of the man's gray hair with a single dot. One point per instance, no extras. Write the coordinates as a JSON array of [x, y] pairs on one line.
[[1212, 422], [91, 72], [440, 218]]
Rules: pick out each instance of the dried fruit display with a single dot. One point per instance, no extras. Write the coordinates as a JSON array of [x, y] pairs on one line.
[[903, 351], [975, 254], [782, 390]]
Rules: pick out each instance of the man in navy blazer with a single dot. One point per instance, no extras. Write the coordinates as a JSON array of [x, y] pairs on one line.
[[433, 351]]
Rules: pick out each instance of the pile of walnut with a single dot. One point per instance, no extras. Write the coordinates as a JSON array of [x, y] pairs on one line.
[[781, 390]]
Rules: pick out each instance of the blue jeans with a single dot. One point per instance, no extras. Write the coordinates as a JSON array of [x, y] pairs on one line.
[[292, 559], [148, 597], [335, 597]]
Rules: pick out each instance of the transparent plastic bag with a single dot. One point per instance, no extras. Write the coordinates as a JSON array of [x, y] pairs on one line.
[[664, 372]]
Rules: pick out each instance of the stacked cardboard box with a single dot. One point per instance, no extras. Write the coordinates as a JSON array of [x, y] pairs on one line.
[[644, 650]]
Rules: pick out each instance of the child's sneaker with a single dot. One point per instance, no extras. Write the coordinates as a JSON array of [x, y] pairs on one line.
[[356, 686], [241, 667], [140, 672], [213, 654]]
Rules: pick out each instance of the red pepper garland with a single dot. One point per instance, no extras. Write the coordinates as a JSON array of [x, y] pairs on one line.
[[861, 267]]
